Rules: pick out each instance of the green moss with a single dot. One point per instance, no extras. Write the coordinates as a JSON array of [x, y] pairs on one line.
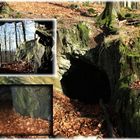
[[18, 15], [74, 6], [130, 59], [86, 4], [84, 33], [132, 51], [6, 9], [91, 11], [131, 15]]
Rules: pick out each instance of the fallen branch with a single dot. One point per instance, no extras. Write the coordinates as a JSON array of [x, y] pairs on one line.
[[133, 22]]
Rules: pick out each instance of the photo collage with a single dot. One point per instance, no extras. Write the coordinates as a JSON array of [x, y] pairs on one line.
[[69, 69]]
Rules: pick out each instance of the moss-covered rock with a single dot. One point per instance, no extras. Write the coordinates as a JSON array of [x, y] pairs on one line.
[[31, 52], [34, 101], [84, 33], [5, 94], [39, 55], [127, 107], [72, 41], [4, 8], [122, 64]]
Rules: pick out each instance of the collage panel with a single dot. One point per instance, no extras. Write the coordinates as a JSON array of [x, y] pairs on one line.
[[26, 110], [27, 46], [97, 84]]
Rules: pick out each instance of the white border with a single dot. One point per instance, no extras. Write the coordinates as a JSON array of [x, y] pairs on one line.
[[61, 1], [54, 52]]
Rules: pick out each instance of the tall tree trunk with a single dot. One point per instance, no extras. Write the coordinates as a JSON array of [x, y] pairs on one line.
[[0, 55], [10, 53], [16, 35], [24, 31], [129, 4], [105, 18], [19, 37], [110, 15], [125, 3], [5, 40]]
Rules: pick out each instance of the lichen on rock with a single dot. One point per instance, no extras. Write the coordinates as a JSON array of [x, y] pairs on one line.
[[72, 41]]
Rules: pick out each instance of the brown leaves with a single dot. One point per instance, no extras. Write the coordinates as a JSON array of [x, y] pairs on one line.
[[69, 120], [16, 67], [13, 123], [135, 85]]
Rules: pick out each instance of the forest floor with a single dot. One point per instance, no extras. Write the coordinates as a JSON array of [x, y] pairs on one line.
[[54, 10], [70, 119], [16, 67]]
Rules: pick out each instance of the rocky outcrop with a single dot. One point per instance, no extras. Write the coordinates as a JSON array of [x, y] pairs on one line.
[[34, 101], [121, 63], [5, 94], [73, 41], [119, 60], [112, 55], [38, 53]]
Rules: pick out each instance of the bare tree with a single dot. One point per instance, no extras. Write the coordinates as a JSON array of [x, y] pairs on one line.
[[16, 35], [0, 55], [19, 36], [24, 31], [10, 53], [5, 39]]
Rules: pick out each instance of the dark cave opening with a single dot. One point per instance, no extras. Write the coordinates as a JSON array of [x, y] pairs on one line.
[[86, 82]]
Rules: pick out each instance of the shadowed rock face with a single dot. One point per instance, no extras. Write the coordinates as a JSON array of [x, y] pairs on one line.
[[86, 82], [5, 94]]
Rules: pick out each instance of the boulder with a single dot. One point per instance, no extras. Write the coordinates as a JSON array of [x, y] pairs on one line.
[[34, 101]]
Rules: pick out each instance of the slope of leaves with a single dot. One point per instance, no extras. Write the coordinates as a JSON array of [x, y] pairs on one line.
[[70, 119]]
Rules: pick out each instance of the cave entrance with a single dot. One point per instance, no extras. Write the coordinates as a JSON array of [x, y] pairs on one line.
[[86, 82], [26, 110]]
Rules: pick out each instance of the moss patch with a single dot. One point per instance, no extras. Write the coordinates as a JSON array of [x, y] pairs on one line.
[[5, 9], [83, 33]]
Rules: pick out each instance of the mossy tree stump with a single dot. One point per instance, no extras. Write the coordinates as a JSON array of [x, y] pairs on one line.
[[108, 18]]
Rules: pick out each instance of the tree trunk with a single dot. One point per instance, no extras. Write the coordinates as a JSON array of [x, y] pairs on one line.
[[10, 53], [5, 39], [109, 16], [0, 55], [19, 37], [129, 4], [24, 31], [105, 18], [16, 39]]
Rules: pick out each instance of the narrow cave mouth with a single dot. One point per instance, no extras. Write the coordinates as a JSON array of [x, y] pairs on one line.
[[86, 82]]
